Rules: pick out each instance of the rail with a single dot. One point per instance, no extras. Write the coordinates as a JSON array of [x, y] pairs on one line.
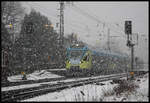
[[21, 94]]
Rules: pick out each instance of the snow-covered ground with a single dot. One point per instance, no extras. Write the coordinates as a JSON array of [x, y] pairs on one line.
[[93, 92], [51, 82], [43, 74], [140, 94], [84, 92], [26, 86]]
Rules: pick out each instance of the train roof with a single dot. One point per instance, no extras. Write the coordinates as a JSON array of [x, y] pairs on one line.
[[111, 54], [99, 53], [78, 48]]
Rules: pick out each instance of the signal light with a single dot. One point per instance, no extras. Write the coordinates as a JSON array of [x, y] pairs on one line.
[[51, 25], [10, 25], [128, 27], [22, 73], [77, 44], [131, 73], [46, 25], [48, 57]]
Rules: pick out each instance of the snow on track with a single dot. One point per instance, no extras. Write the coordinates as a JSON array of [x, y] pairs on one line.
[[43, 74], [92, 92], [52, 82], [22, 86], [71, 94]]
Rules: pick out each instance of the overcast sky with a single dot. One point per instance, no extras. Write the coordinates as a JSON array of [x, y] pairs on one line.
[[112, 14]]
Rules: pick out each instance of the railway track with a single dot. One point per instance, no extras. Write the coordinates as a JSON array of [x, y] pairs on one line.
[[21, 94], [6, 84], [55, 71]]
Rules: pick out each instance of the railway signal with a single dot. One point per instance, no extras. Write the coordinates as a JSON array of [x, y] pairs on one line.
[[128, 27], [10, 25], [128, 43], [128, 32], [51, 25]]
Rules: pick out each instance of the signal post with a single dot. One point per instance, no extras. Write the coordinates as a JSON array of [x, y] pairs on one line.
[[128, 32]]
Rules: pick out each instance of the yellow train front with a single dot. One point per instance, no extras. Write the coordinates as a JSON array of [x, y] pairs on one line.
[[79, 60]]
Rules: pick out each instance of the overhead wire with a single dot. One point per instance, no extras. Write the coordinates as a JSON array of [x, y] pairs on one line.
[[85, 13], [85, 29], [73, 24], [83, 23], [81, 12], [94, 18], [77, 29]]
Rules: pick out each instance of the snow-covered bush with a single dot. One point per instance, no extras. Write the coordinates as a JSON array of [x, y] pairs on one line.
[[125, 86]]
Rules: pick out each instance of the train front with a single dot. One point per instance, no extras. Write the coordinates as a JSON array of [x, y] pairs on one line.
[[78, 59]]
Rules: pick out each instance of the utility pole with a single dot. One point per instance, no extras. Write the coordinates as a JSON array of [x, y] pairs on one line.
[[128, 31], [61, 23], [108, 39], [132, 58], [61, 41]]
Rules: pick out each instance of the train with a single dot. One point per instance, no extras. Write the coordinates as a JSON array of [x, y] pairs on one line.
[[81, 59]]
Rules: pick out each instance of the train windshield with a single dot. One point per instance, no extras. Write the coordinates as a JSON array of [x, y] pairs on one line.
[[76, 54]]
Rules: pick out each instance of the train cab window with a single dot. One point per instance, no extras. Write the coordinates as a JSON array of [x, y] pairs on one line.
[[86, 58]]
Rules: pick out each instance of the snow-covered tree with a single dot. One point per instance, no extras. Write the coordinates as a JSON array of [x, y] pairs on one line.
[[11, 15], [38, 46], [6, 52]]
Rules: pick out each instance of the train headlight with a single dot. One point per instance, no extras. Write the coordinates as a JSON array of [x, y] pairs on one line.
[[77, 44], [81, 62]]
